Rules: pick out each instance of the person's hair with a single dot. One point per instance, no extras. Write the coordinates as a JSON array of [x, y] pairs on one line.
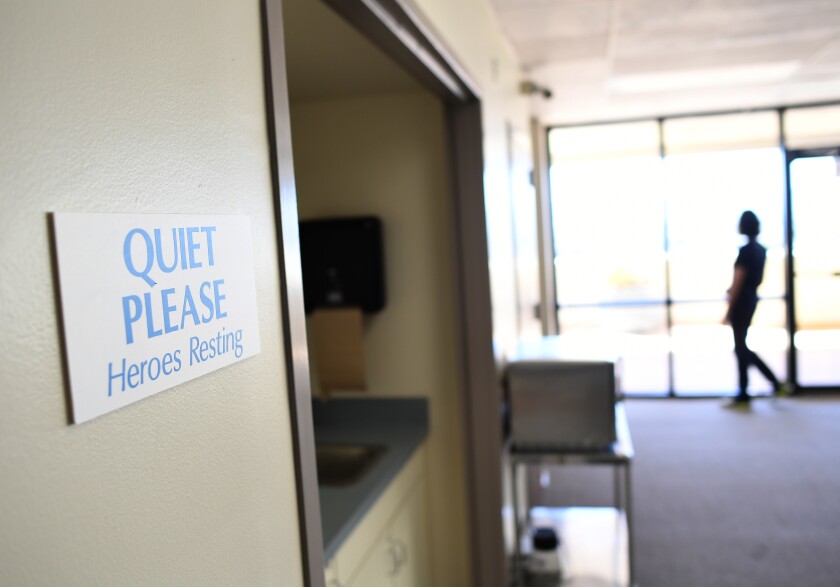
[[749, 224]]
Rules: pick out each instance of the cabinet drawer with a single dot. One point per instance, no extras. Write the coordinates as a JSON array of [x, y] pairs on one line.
[[382, 546]]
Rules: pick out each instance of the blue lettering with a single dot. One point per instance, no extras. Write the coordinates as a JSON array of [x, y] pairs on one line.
[[133, 374], [192, 246], [208, 230], [154, 372], [189, 308], [166, 364], [150, 255], [208, 303], [130, 316], [183, 241], [194, 350], [159, 249], [219, 297], [167, 310], [216, 346], [187, 247], [136, 374], [221, 342], [112, 376], [239, 347], [150, 327]]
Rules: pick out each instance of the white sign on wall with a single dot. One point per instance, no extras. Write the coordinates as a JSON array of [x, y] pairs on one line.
[[150, 301]]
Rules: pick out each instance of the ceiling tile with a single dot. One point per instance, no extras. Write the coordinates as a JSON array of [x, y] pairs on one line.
[[543, 51], [824, 63], [680, 58], [556, 19], [699, 55], [730, 23]]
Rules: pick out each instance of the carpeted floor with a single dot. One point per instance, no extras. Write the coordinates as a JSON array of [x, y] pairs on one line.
[[726, 498]]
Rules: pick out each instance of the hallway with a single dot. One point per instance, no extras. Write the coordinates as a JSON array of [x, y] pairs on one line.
[[728, 498]]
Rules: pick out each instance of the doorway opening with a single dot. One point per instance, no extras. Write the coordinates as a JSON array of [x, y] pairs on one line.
[[449, 101], [815, 267]]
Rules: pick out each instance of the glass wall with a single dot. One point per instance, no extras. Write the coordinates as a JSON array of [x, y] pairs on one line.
[[610, 247], [646, 234], [716, 167]]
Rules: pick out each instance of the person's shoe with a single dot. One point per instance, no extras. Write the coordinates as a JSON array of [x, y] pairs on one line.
[[781, 389], [739, 403]]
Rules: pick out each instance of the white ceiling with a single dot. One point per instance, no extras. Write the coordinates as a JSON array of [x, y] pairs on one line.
[[619, 59]]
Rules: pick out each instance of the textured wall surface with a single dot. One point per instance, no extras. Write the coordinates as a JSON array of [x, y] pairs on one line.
[[152, 107], [470, 31]]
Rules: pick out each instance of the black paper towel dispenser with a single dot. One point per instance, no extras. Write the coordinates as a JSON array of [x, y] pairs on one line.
[[343, 263]]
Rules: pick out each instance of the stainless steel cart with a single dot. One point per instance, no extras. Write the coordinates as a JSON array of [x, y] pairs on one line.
[[619, 455]]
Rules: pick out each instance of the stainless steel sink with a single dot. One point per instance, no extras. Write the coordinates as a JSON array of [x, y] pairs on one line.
[[345, 464]]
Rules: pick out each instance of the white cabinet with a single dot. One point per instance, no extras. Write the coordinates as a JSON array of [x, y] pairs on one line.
[[399, 556], [409, 538], [331, 575], [389, 547], [378, 569]]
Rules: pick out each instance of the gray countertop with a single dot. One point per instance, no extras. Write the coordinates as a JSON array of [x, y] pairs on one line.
[[398, 424]]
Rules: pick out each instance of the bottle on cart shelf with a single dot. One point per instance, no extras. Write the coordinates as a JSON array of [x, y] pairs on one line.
[[544, 567]]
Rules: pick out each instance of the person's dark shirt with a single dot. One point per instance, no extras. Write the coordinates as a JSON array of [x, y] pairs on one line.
[[751, 258]]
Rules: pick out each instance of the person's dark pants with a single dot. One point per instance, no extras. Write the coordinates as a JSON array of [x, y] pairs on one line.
[[740, 320]]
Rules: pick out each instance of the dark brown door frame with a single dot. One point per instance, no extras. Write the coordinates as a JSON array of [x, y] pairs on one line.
[[391, 25], [291, 294], [480, 390]]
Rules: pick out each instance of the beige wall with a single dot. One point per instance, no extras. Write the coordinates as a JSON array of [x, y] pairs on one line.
[[469, 30], [385, 155], [137, 107]]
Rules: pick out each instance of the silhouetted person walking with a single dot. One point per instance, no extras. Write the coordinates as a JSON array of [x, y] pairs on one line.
[[743, 299]]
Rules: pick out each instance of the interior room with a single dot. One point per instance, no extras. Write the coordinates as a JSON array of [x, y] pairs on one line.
[[373, 145], [411, 293]]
